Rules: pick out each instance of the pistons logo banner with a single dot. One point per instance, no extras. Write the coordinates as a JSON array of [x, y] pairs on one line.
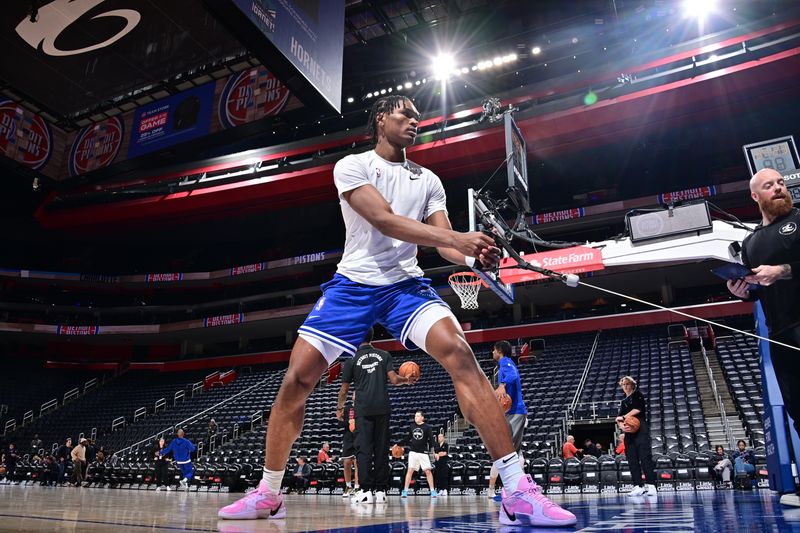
[[24, 137], [251, 95], [95, 146]]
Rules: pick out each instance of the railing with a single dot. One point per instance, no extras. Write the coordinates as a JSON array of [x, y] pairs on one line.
[[161, 403], [197, 388], [717, 398], [235, 430], [71, 395], [46, 407], [585, 374], [94, 434], [11, 425], [256, 418], [180, 395], [89, 385], [139, 413], [117, 422], [170, 429], [27, 417], [200, 447]]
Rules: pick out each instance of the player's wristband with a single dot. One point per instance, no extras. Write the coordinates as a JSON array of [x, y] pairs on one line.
[[469, 261]]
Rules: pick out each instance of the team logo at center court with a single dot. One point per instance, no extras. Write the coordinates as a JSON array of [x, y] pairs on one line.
[[788, 228]]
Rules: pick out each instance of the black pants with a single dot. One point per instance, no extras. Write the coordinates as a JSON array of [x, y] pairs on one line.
[[161, 473], [441, 474], [640, 456], [372, 451], [299, 483], [787, 371]]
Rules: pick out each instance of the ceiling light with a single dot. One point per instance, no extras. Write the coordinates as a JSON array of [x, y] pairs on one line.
[[464, 70], [497, 60], [698, 9], [383, 91], [536, 50], [369, 95], [400, 87], [350, 100], [442, 66], [417, 82], [408, 84]]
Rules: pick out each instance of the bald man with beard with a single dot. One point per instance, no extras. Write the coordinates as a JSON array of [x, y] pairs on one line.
[[772, 253]]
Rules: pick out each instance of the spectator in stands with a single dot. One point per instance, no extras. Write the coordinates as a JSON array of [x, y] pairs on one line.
[[212, 428], [441, 472], [744, 460], [420, 439], [182, 449], [590, 449], [722, 466], [324, 455], [11, 458], [36, 445], [370, 370], [568, 450], [598, 449], [349, 432], [517, 415], [64, 457], [50, 471], [78, 456], [772, 253], [101, 455], [620, 449], [301, 478], [91, 451], [161, 466], [637, 445]]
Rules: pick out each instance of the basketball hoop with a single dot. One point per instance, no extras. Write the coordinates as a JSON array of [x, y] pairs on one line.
[[466, 285]]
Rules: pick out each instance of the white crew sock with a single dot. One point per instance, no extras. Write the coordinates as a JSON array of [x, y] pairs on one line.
[[510, 471], [273, 479]]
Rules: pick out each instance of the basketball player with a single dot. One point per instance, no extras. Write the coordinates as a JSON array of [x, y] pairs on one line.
[[181, 449], [637, 445], [390, 206], [369, 371], [420, 439], [349, 432], [508, 382]]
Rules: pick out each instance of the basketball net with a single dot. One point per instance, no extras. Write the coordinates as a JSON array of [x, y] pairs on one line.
[[466, 285]]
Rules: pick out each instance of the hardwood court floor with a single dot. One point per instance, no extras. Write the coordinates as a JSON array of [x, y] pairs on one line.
[[121, 511]]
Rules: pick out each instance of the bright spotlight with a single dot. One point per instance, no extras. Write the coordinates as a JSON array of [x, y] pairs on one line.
[[400, 87], [383, 91], [698, 9], [464, 70], [417, 82], [442, 66], [350, 100], [369, 95], [497, 60], [407, 85], [389, 90], [536, 50]]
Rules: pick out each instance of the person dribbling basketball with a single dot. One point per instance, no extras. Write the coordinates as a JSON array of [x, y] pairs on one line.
[[637, 443]]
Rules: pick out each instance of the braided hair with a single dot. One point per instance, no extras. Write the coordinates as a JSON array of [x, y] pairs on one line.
[[384, 105]]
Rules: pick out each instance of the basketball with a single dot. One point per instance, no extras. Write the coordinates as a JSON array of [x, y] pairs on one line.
[[409, 369], [631, 424], [505, 402], [397, 451]]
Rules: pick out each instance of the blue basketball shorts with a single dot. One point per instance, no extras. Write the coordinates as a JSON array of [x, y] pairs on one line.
[[187, 470], [345, 312]]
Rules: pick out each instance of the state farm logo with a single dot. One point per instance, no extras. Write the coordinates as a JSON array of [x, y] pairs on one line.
[[55, 17], [95, 146], [251, 95], [27, 140]]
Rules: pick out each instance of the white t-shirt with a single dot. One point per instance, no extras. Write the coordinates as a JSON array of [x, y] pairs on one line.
[[371, 257]]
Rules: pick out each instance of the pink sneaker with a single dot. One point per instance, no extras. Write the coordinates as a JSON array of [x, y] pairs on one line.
[[528, 506], [260, 503]]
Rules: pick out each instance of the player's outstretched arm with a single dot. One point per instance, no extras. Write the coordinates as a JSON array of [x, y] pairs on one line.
[[368, 202]]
